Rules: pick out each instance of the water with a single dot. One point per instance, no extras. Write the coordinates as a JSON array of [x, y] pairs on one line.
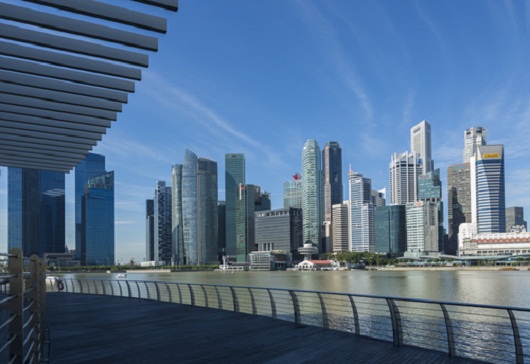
[[503, 288]]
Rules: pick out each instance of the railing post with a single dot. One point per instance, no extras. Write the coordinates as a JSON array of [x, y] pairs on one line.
[[103, 287], [205, 296], [450, 335], [273, 305], [192, 295], [296, 308], [355, 316], [111, 287], [252, 301], [80, 286], [157, 292], [397, 329], [519, 357], [138, 288], [121, 290], [128, 289], [147, 289], [219, 300], [180, 293], [169, 293], [234, 299], [16, 305], [325, 321]]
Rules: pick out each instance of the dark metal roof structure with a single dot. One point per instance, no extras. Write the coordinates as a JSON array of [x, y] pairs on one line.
[[66, 68]]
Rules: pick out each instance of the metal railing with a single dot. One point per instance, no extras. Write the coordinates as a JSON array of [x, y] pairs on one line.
[[22, 310], [495, 334]]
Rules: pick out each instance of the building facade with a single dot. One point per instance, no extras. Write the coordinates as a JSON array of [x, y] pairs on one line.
[[163, 242], [422, 228], [458, 202], [332, 189], [420, 143], [404, 170], [279, 229], [234, 176], [390, 230], [362, 235], [515, 217], [149, 230], [312, 192], [473, 138], [177, 220], [292, 192], [340, 227]]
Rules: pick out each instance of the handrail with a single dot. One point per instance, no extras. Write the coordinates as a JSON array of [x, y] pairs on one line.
[[483, 332]]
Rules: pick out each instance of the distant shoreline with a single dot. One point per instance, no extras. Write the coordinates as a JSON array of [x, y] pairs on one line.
[[510, 269]]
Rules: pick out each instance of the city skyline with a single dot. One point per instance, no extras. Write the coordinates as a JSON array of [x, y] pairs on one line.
[[243, 79]]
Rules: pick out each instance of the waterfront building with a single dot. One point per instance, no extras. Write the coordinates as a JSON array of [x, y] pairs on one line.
[[473, 138], [420, 143], [93, 165], [221, 233], [292, 192], [332, 188], [177, 220], [422, 228], [270, 260], [390, 230], [149, 230], [312, 192], [471, 242], [163, 244], [97, 242], [430, 190], [279, 229], [487, 189], [361, 215], [458, 202], [36, 211], [340, 226], [404, 171], [234, 176], [515, 217], [378, 197]]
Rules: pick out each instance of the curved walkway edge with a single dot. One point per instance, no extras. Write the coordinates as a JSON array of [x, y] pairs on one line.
[[105, 329]]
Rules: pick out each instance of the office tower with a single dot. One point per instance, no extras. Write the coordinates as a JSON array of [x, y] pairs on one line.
[[234, 176], [390, 230], [404, 172], [473, 137], [430, 190], [199, 210], [420, 143], [36, 211], [378, 197], [311, 191], [93, 165], [340, 230], [487, 189], [332, 188], [292, 192], [177, 227], [361, 213], [458, 202], [515, 217], [422, 228], [249, 200], [279, 229], [221, 233], [163, 244], [149, 230], [97, 211]]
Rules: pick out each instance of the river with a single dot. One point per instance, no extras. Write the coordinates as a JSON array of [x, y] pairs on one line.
[[504, 288]]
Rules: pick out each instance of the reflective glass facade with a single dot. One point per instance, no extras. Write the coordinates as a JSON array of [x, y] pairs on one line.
[[234, 175], [390, 230], [176, 215], [189, 207], [162, 219], [312, 191], [149, 230], [279, 230], [361, 213]]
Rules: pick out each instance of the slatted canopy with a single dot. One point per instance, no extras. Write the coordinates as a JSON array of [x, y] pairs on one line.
[[66, 68]]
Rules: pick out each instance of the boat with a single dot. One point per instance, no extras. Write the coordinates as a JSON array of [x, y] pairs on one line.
[[121, 275]]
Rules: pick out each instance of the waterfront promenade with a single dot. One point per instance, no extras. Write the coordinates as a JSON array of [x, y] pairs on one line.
[[108, 329]]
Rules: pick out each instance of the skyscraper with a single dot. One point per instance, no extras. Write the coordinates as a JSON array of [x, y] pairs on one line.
[[361, 213], [279, 229], [149, 230], [420, 143], [422, 228], [332, 187], [404, 172], [515, 217], [163, 245], [340, 227], [92, 165], [487, 189], [36, 211], [176, 214], [311, 191], [234, 176], [473, 138], [97, 243], [292, 192], [430, 190], [458, 202], [390, 230]]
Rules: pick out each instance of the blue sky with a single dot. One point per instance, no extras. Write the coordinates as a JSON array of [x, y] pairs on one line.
[[261, 78]]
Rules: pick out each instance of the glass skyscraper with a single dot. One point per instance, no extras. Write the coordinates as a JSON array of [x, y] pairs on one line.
[[458, 202], [36, 211], [332, 172], [234, 176], [292, 192], [404, 172], [420, 143], [149, 230], [176, 215], [390, 230], [473, 137], [97, 246], [362, 237], [163, 243], [312, 191]]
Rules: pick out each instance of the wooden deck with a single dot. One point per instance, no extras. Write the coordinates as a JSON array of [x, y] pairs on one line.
[[103, 329]]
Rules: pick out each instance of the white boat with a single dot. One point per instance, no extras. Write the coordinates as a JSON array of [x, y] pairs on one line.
[[121, 275]]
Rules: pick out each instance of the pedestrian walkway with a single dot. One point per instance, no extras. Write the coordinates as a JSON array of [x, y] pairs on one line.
[[105, 329]]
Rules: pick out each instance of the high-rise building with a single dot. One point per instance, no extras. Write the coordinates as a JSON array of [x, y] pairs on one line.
[[473, 138], [149, 230], [515, 217], [221, 233], [177, 227], [458, 202], [311, 192], [163, 244], [390, 230], [332, 188], [340, 228], [93, 165], [36, 211], [292, 192], [378, 197], [234, 176], [362, 237], [199, 210], [422, 228], [420, 143], [404, 172], [97, 211], [279, 229], [488, 204], [430, 190]]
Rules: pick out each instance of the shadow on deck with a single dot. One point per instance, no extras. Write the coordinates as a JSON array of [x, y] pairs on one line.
[[104, 329]]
